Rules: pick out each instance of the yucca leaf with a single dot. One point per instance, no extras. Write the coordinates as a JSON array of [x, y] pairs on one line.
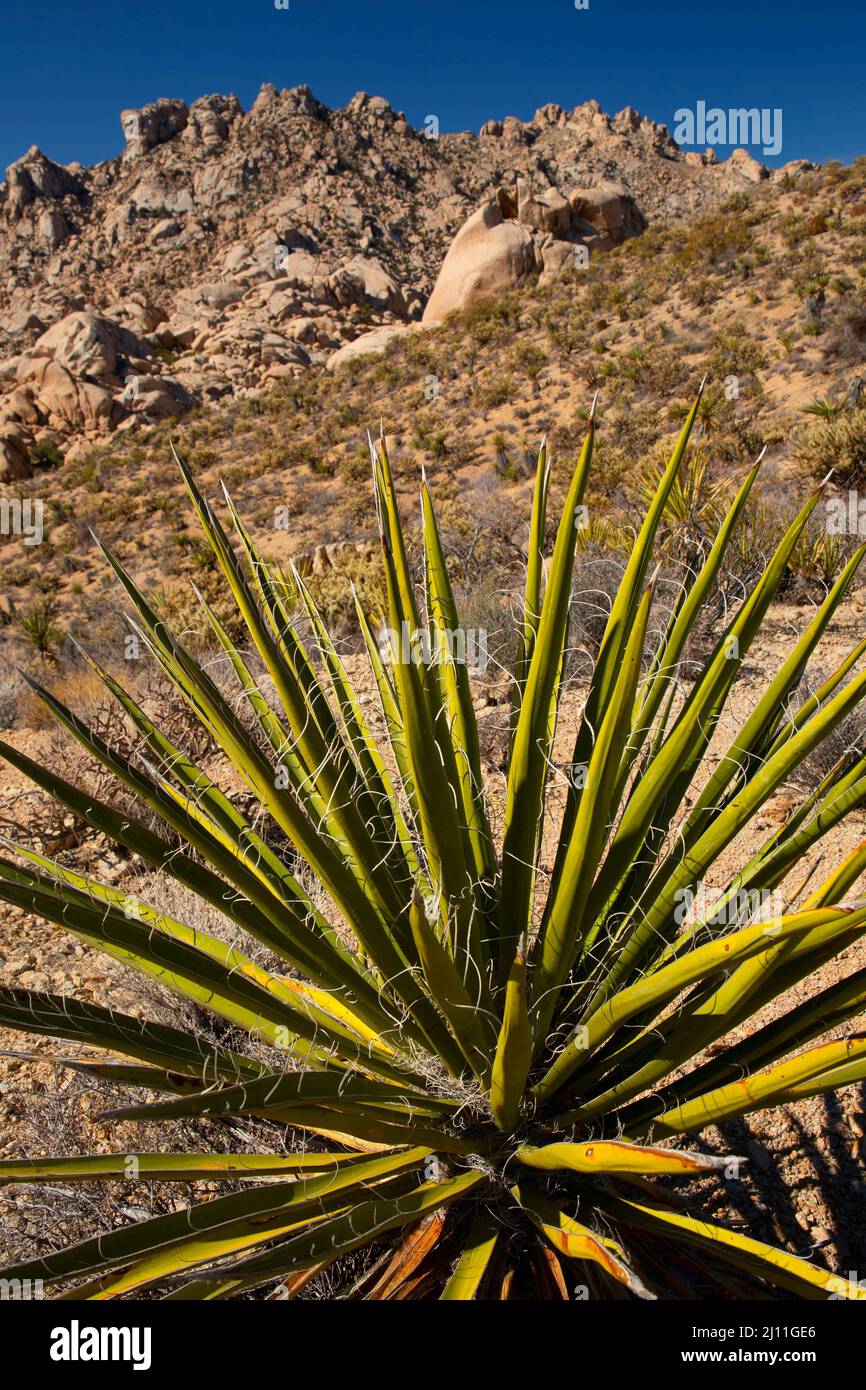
[[171, 1167], [359, 913], [158, 1044], [474, 1260], [310, 941], [189, 963], [656, 989], [576, 1241], [390, 709], [770, 865], [343, 1233], [653, 918], [438, 797], [749, 736], [312, 1201], [604, 1156], [753, 1256], [834, 1005], [788, 723], [353, 887], [666, 660], [616, 633], [649, 1056], [527, 769], [385, 804], [528, 629], [276, 914], [333, 778], [513, 1050], [285, 1090], [471, 1027], [701, 1021], [453, 677], [756, 1092], [402, 1275], [658, 793], [558, 941], [250, 1215]]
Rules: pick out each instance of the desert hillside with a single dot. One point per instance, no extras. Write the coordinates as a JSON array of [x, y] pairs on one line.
[[283, 308], [225, 250]]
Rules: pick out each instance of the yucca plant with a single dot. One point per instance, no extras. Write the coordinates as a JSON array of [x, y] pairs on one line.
[[37, 624], [477, 1056], [694, 501]]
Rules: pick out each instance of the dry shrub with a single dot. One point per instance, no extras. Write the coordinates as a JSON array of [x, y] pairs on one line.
[[839, 444]]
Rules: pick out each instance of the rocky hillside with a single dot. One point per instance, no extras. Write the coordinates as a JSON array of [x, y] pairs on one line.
[[224, 251]]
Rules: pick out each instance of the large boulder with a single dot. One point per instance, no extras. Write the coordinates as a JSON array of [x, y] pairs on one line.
[[488, 256], [14, 453], [370, 344], [213, 294], [157, 397], [610, 208], [558, 256], [136, 312], [35, 176], [210, 119], [19, 408], [52, 228], [743, 167], [156, 194], [793, 169], [549, 212], [365, 280], [86, 346], [67, 402], [152, 125], [75, 368]]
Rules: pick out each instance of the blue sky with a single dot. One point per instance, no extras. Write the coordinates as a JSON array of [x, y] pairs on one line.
[[69, 68]]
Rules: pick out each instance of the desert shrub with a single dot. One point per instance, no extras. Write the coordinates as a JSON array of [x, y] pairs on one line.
[[332, 590], [839, 444], [799, 227], [11, 692], [492, 391], [38, 625], [598, 575], [47, 455], [735, 352], [491, 320], [715, 239], [848, 336]]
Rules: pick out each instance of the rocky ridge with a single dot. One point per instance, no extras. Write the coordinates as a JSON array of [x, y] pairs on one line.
[[223, 251]]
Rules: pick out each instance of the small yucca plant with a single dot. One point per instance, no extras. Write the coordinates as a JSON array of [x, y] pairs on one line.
[[486, 1048]]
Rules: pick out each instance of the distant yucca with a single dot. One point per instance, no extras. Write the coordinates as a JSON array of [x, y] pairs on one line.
[[490, 1053]]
